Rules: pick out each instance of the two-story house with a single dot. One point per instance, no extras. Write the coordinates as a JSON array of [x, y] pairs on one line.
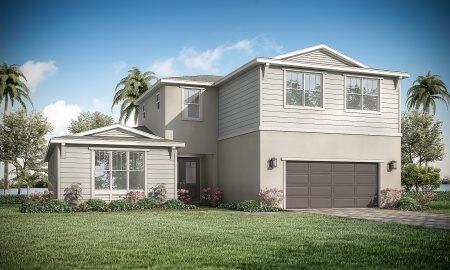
[[318, 125]]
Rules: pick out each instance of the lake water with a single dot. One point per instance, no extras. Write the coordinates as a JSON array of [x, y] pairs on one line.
[[444, 187], [14, 191]]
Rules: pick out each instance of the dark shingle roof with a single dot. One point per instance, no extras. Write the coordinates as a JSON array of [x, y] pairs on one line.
[[198, 78]]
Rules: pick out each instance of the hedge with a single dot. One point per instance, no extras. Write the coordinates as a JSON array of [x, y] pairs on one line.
[[12, 199]]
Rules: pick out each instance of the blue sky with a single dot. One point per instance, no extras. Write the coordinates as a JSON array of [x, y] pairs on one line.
[[74, 52]]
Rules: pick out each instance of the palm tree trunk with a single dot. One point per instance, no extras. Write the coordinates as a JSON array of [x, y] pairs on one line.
[[6, 164]]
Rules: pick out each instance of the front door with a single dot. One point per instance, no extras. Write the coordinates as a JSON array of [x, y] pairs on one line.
[[189, 176]]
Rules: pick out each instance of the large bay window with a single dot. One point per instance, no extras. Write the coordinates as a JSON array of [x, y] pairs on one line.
[[362, 94], [119, 170], [303, 89]]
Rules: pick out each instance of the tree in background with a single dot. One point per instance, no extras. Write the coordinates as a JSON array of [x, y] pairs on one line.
[[422, 139], [87, 121], [129, 89], [24, 145], [426, 90], [12, 89]]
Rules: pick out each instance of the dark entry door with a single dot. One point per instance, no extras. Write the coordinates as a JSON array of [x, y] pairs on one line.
[[331, 185], [189, 176]]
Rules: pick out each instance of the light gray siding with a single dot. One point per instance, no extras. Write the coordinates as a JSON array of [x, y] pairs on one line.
[[117, 133], [53, 171], [333, 118], [319, 57], [76, 168], [239, 104]]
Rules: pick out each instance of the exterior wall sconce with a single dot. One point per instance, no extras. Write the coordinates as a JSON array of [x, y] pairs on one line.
[[272, 163], [392, 165]]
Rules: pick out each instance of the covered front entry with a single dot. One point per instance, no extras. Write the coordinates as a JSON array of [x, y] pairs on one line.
[[331, 184], [189, 176]]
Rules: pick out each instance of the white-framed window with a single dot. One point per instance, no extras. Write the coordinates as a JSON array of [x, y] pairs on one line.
[[192, 103], [119, 170], [143, 111], [157, 101], [362, 94], [303, 89]]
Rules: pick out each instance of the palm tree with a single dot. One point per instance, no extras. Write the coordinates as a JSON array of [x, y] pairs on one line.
[[129, 89], [12, 89], [425, 91]]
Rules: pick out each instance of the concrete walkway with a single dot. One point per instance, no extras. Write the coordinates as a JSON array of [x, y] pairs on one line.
[[403, 217]]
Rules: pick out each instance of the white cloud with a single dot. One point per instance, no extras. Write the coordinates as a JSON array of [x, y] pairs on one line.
[[98, 105], [191, 60], [164, 68], [36, 72], [59, 114]]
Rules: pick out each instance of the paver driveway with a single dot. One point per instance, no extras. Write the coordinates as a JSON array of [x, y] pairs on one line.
[[411, 218]]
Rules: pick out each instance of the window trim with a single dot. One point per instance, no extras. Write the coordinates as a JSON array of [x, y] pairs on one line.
[[110, 192], [303, 107], [362, 110], [158, 101], [200, 104]]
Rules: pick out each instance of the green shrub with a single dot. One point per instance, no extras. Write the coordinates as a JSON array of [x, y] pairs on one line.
[[120, 205], [231, 206], [408, 204], [177, 204], [248, 206], [95, 205], [52, 206], [12, 199], [439, 205], [442, 196], [418, 177], [147, 203]]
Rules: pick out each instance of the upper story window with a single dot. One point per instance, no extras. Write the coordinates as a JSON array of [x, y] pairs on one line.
[[303, 89], [119, 170], [143, 111], [362, 94], [192, 103], [157, 101]]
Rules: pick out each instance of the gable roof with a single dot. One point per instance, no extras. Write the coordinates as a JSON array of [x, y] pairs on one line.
[[325, 48], [119, 126]]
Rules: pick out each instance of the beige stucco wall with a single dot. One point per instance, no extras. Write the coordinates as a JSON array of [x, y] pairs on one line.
[[154, 117], [239, 167], [328, 147]]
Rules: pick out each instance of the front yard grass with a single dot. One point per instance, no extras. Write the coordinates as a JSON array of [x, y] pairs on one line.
[[213, 239]]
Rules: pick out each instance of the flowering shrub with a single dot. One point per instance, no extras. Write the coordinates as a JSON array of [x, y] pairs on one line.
[[211, 196], [51, 206], [389, 197], [159, 193], [72, 194], [271, 196], [183, 195], [41, 197], [422, 197], [134, 196]]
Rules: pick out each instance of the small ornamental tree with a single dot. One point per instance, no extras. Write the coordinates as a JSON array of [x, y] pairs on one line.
[[420, 177]]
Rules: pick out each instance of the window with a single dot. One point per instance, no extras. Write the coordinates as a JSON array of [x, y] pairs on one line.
[[143, 111], [192, 104], [119, 170], [362, 94], [157, 101], [303, 89]]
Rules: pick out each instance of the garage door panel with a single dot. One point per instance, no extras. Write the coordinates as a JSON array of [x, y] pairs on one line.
[[297, 167], [320, 167], [297, 191], [344, 191], [297, 203], [322, 202], [320, 179], [297, 180], [343, 167], [343, 202], [328, 184], [366, 179], [339, 179], [321, 191]]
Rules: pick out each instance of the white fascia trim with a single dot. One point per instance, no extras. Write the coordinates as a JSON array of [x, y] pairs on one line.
[[129, 129], [330, 131], [355, 70], [332, 160], [118, 142], [326, 48]]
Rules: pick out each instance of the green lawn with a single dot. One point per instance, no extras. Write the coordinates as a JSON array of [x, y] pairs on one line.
[[213, 239], [439, 207]]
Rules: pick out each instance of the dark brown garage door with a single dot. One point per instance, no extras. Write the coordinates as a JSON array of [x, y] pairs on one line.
[[331, 185]]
